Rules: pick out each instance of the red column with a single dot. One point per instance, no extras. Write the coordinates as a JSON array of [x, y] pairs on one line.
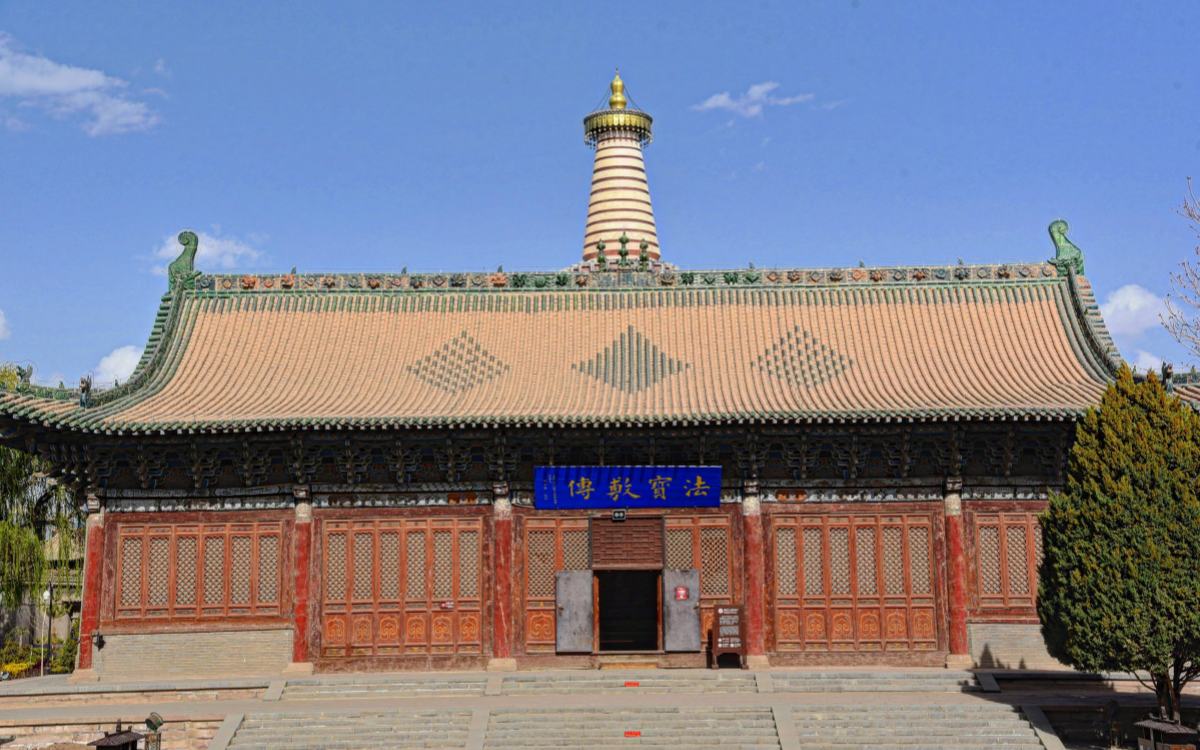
[[502, 559], [956, 575], [93, 578], [301, 563], [755, 566]]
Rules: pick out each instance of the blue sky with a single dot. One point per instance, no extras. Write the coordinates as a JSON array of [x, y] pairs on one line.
[[355, 136]]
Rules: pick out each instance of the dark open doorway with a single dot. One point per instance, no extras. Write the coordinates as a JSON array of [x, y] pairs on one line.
[[628, 610]]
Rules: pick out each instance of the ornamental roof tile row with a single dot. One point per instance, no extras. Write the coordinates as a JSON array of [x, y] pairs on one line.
[[271, 358]]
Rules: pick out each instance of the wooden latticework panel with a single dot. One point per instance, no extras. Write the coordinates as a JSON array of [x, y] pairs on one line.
[[840, 561], [550, 545], [703, 542], [1005, 551], [194, 571], [396, 586]]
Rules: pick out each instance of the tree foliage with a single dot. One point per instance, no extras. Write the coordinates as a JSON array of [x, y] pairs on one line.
[[1120, 578]]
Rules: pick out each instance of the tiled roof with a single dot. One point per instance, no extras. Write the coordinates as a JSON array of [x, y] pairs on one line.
[[278, 352]]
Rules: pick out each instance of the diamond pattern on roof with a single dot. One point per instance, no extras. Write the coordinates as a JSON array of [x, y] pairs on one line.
[[631, 363], [800, 358], [458, 365]]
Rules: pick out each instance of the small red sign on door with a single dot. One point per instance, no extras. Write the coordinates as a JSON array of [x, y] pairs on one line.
[[681, 593]]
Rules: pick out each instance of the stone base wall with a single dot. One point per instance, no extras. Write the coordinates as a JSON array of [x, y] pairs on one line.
[[1009, 646], [155, 656], [176, 735]]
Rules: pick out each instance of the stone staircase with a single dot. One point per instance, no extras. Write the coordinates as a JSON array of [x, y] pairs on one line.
[[748, 728], [353, 730], [925, 727], [382, 686], [592, 683], [866, 681]]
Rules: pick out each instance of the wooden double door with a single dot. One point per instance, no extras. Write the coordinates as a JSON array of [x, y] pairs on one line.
[[858, 582]]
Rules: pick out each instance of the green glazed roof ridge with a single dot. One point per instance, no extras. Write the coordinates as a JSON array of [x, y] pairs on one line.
[[1087, 312]]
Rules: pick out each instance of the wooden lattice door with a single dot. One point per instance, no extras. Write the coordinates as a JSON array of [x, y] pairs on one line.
[[854, 583], [402, 586]]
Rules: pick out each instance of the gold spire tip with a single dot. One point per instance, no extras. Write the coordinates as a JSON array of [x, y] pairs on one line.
[[617, 100]]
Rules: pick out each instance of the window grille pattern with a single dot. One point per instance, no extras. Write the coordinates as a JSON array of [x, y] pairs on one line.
[[131, 572], [364, 566], [268, 568], [468, 564], [185, 570], [335, 568], [679, 549], [443, 570], [159, 566], [416, 565], [814, 569], [864, 550], [177, 572], [918, 558], [893, 561], [785, 561], [714, 561], [1005, 550], [839, 560], [239, 574], [541, 563], [575, 549], [389, 565]]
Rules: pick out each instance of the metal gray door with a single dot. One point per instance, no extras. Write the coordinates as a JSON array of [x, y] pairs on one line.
[[681, 610], [573, 620]]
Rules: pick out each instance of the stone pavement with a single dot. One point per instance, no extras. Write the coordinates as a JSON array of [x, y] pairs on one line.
[[776, 708]]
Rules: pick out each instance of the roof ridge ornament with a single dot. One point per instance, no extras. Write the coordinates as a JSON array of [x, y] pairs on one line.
[[1068, 258], [182, 273]]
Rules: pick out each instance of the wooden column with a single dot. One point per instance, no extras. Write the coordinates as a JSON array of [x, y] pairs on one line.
[[755, 560], [956, 576], [502, 562], [93, 582], [302, 541]]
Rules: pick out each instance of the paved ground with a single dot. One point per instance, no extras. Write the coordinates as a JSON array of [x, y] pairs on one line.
[[779, 708]]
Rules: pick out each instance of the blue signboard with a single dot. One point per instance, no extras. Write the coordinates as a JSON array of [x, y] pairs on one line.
[[567, 487]]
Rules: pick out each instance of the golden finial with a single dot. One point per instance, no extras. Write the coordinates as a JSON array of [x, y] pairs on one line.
[[617, 100]]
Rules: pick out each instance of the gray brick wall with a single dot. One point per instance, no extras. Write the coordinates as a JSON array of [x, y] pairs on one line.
[[153, 656], [1004, 646]]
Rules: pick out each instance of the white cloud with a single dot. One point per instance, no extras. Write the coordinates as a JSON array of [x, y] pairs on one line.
[[65, 90], [1132, 310], [116, 366], [751, 103], [5, 331], [215, 253], [160, 67], [1145, 361]]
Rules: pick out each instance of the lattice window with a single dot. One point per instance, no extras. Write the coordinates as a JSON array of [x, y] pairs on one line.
[[415, 565], [839, 560], [364, 566], [575, 549], [989, 560], [185, 570], [268, 568], [714, 562], [239, 571], [443, 565], [540, 574], [893, 561], [918, 558], [335, 568], [468, 564], [864, 551], [1037, 544], [785, 560], [1018, 559], [214, 570], [389, 565], [814, 568], [679, 549], [131, 573], [158, 587]]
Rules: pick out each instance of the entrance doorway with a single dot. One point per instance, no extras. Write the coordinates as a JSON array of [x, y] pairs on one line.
[[629, 606]]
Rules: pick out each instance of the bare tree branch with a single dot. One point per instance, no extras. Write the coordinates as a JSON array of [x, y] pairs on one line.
[[1182, 318]]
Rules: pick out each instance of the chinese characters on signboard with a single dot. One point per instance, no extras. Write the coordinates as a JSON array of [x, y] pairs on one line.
[[565, 487]]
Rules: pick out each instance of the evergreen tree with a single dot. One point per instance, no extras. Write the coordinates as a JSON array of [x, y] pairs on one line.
[[1120, 578]]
